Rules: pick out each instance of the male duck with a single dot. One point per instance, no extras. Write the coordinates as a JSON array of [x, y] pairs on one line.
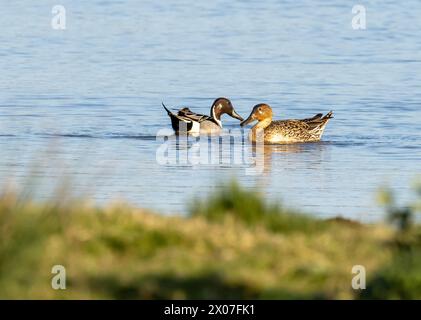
[[286, 131], [186, 120]]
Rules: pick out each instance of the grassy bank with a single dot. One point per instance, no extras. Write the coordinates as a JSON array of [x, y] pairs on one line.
[[233, 245]]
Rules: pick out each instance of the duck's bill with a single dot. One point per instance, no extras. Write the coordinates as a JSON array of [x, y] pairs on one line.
[[247, 121], [236, 115]]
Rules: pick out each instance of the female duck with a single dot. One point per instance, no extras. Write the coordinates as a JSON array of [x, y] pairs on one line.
[[285, 131], [186, 120]]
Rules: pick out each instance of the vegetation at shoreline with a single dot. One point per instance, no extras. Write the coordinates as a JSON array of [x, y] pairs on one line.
[[232, 245]]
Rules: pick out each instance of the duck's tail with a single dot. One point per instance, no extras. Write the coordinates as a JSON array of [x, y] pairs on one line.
[[168, 111], [318, 123], [318, 120], [177, 122], [328, 115]]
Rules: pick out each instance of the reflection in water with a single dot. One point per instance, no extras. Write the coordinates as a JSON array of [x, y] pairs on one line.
[[235, 151], [308, 154]]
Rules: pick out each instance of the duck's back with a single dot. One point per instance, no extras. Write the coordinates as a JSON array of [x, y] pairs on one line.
[[289, 131], [284, 131]]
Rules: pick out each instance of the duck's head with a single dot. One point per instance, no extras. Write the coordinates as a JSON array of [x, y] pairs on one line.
[[260, 112], [221, 106]]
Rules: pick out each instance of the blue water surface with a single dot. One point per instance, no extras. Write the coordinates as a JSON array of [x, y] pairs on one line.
[[85, 102]]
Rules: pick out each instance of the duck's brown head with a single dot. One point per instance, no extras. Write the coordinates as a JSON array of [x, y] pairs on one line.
[[221, 106], [260, 112]]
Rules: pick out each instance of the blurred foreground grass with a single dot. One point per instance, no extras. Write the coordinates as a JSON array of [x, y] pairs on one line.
[[232, 245]]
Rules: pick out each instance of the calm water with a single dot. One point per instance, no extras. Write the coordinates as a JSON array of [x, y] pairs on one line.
[[85, 102]]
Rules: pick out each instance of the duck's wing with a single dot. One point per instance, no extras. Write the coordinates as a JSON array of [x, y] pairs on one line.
[[291, 127], [316, 117], [190, 119], [187, 114], [318, 120]]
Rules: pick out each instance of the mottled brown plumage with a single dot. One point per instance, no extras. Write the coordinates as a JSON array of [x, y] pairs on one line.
[[285, 131]]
